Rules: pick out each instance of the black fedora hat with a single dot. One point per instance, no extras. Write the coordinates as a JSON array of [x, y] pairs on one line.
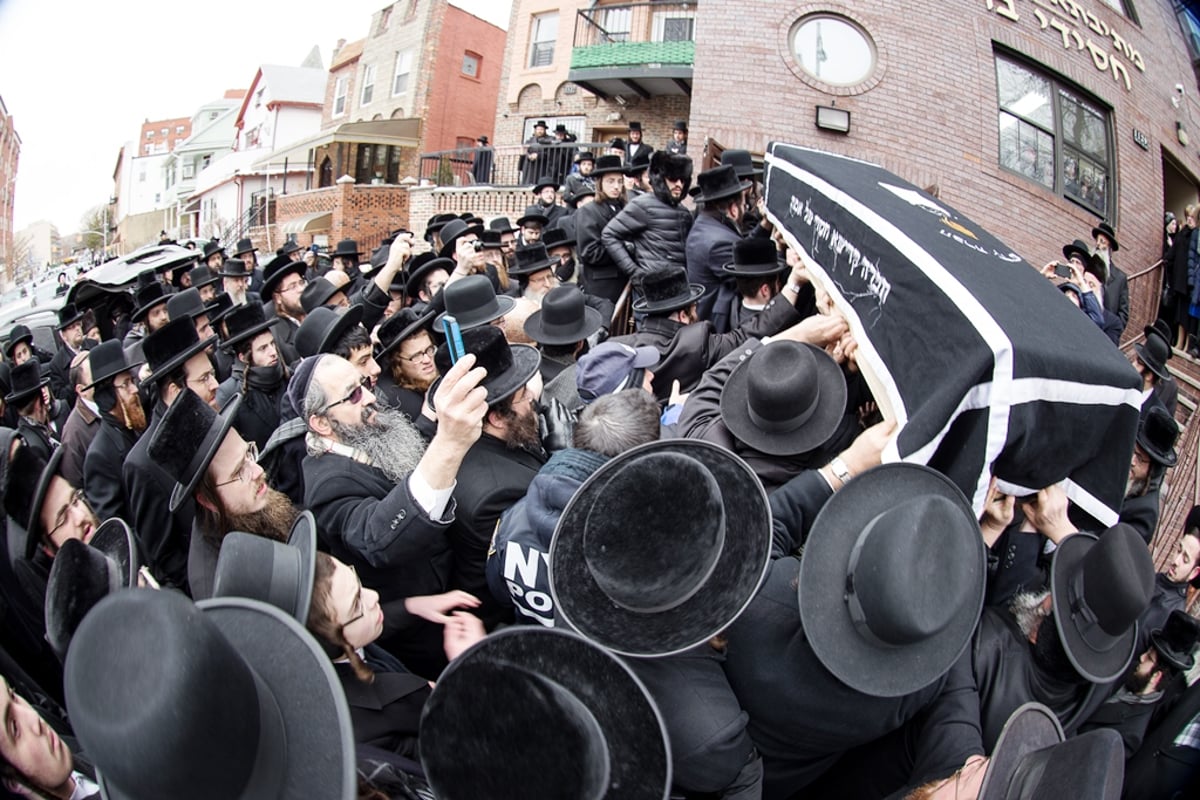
[[19, 333], [187, 304], [68, 315], [400, 326], [276, 270], [211, 248], [608, 165], [437, 222], [232, 698], [1157, 434], [187, 438], [1077, 248], [534, 216], [742, 163], [666, 289], [82, 575], [1154, 353], [1161, 328], [576, 723], [234, 268], [661, 548], [1031, 727], [680, 125], [146, 278], [531, 258], [274, 572], [572, 200], [586, 155], [892, 579], [556, 237], [1107, 230], [244, 246], [203, 276], [245, 322], [754, 257], [29, 468], [509, 366], [1099, 588], [288, 248], [472, 301], [148, 297], [346, 248], [172, 345], [27, 381], [220, 306], [564, 318], [1090, 765], [719, 183], [318, 292], [420, 267], [321, 330], [1176, 641], [501, 225], [454, 230], [107, 360], [545, 181], [784, 399], [491, 240]]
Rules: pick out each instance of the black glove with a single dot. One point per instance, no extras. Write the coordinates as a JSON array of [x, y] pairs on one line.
[[556, 423]]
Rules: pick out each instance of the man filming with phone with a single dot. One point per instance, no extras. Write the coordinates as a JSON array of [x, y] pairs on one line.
[[1081, 280]]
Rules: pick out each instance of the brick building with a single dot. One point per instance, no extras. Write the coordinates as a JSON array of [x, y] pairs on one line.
[[161, 136], [10, 152]]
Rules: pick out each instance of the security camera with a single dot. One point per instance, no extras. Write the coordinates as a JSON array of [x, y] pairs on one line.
[[1179, 89]]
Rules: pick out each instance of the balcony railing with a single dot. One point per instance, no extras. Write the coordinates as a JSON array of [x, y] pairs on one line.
[[506, 165], [634, 34]]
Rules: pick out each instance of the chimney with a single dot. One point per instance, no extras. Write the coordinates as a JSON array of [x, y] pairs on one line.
[[341, 43]]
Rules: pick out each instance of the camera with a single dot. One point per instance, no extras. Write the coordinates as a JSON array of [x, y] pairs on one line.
[[1062, 270], [478, 245]]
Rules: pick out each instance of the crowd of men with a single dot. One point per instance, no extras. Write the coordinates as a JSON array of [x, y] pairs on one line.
[[422, 523]]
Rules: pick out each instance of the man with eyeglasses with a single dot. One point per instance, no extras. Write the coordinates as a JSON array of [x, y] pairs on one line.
[[215, 470], [122, 420], [283, 283], [178, 362], [381, 498], [406, 359]]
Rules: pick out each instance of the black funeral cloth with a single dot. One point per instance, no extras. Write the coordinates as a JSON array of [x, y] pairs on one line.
[[977, 356]]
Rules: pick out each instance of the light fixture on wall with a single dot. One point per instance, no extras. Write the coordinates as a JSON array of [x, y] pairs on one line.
[[1181, 134], [832, 118]]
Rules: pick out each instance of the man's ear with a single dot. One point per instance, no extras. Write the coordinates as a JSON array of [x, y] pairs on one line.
[[203, 500], [319, 425]]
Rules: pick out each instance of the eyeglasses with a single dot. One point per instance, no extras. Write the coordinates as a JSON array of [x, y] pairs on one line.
[[203, 380], [244, 472], [300, 284], [77, 501], [124, 385], [358, 603], [420, 355], [355, 396]]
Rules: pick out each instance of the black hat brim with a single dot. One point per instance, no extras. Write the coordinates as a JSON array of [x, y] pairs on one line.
[[526, 362], [725, 193], [140, 312], [1031, 727], [739, 570], [114, 371], [173, 363], [420, 324], [639, 755], [33, 525], [69, 322], [1070, 250], [27, 338], [285, 267], [207, 450], [304, 538], [876, 670], [695, 291], [341, 323], [1112, 237], [448, 247], [816, 430], [535, 328], [1157, 367], [760, 270], [542, 184], [1094, 665], [249, 333], [522, 270], [504, 305], [538, 218], [115, 540], [17, 398], [417, 277]]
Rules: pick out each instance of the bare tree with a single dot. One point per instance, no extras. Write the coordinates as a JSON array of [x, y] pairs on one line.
[[92, 225]]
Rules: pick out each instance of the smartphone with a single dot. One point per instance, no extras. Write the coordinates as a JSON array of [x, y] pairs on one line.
[[1062, 270], [454, 342]]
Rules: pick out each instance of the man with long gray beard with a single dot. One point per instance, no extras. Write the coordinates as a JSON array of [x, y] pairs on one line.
[[383, 501], [122, 420]]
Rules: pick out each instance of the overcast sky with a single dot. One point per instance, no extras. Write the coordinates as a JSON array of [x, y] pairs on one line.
[[80, 77]]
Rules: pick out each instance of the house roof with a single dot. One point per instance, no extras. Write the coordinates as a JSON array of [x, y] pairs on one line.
[[348, 53], [289, 85]]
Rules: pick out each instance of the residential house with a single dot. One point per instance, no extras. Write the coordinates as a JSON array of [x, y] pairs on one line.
[[10, 152], [214, 130]]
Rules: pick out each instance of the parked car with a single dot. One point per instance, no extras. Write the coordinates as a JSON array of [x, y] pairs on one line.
[[108, 289]]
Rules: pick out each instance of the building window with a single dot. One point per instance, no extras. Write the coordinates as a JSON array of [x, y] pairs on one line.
[[178, 129], [1053, 135], [149, 134], [470, 65], [833, 49], [674, 26], [542, 35], [400, 76], [339, 96], [616, 23], [1122, 7], [258, 97], [147, 149], [385, 17], [368, 89], [165, 131]]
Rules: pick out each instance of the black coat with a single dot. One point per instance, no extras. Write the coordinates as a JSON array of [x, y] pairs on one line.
[[598, 271], [709, 249], [285, 338], [1167, 597], [1116, 293], [40, 439], [387, 712], [1160, 768], [1141, 512], [406, 400], [802, 718], [491, 479], [373, 524], [162, 535], [260, 412], [688, 350], [60, 377], [648, 233], [102, 471], [1127, 715]]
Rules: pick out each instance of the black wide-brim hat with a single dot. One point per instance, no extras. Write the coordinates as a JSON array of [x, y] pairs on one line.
[[33, 522], [187, 438], [533, 216], [234, 268], [1031, 727], [608, 165], [107, 360], [27, 380], [509, 366], [395, 329], [454, 230], [531, 258], [82, 575], [667, 290], [203, 276], [245, 322], [277, 269], [321, 329], [421, 266], [1077, 248], [874, 667], [305, 744], [243, 246], [754, 257], [1107, 230], [594, 574], [1156, 435], [149, 296], [543, 182], [720, 183], [18, 334], [1154, 354], [784, 427], [556, 699], [473, 301], [273, 572], [1106, 656], [172, 345], [563, 319], [68, 315], [1090, 765], [346, 247]]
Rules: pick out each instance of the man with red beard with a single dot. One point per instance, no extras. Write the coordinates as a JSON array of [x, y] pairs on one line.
[[177, 360], [216, 468], [121, 422]]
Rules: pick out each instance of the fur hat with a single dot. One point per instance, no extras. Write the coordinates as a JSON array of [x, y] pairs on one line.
[[187, 438], [668, 165], [666, 289]]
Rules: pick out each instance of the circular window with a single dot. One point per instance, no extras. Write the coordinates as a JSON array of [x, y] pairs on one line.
[[833, 49]]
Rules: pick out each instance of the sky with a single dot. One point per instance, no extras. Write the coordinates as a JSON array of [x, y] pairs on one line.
[[80, 77]]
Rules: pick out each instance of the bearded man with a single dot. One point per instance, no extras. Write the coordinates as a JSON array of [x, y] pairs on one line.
[[1153, 453], [406, 360], [381, 499], [121, 422]]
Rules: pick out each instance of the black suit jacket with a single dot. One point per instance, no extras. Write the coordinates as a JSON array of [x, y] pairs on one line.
[[387, 712], [102, 471]]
